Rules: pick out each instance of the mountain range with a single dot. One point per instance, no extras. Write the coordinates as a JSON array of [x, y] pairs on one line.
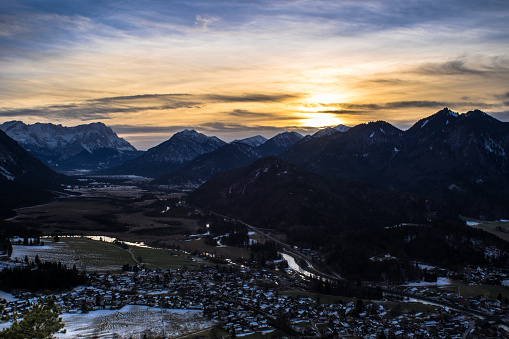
[[459, 160], [235, 154], [91, 146]]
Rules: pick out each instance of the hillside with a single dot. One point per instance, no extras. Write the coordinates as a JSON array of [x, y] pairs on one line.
[[272, 193], [24, 180]]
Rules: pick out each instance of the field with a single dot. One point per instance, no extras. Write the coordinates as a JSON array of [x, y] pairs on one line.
[[134, 322], [101, 256], [491, 227], [467, 291]]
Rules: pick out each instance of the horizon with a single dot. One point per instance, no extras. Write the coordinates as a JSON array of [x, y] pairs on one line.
[[245, 136], [235, 69]]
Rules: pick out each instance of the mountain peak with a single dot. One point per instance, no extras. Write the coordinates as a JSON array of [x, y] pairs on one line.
[[254, 141], [188, 132], [478, 114], [279, 143]]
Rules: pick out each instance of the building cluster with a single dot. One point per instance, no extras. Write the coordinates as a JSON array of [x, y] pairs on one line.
[[248, 300]]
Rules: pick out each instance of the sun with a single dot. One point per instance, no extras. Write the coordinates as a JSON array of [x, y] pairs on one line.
[[317, 105], [320, 120]]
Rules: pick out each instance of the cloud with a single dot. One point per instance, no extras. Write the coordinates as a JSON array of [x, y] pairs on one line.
[[259, 116], [503, 96], [140, 96], [360, 109], [344, 111], [251, 97], [496, 67], [136, 129], [220, 127], [231, 127], [105, 108], [203, 22]]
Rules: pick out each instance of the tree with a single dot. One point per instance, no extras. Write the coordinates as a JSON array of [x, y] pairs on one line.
[[40, 322]]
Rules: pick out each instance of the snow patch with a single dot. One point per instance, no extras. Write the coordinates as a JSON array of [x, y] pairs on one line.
[[7, 174], [454, 114], [441, 281], [424, 123], [7, 296]]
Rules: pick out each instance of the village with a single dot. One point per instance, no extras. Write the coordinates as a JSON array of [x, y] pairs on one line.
[[248, 300]]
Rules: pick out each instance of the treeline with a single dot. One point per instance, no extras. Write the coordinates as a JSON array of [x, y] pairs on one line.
[[170, 208], [346, 289], [452, 245], [41, 276], [5, 245], [235, 234]]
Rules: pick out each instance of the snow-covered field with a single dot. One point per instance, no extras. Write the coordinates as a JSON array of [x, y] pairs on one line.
[[441, 281], [54, 251], [73, 252], [133, 322]]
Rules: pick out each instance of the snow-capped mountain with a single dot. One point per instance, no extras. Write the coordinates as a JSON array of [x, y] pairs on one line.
[[279, 143], [255, 141], [24, 180], [89, 146], [170, 155]]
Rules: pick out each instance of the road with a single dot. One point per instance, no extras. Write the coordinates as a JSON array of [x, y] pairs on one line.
[[287, 248]]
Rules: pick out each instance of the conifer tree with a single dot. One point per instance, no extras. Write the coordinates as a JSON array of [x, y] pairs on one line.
[[42, 321]]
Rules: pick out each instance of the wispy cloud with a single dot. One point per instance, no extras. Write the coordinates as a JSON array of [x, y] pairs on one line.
[[348, 108], [251, 97], [203, 22], [497, 67], [105, 108]]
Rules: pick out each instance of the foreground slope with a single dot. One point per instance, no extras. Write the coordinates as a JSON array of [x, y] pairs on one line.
[[272, 193], [24, 180]]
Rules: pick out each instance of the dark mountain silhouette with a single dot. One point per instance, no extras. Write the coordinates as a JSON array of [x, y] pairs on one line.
[[459, 159], [170, 155], [205, 166], [279, 143], [235, 154], [272, 193], [24, 180]]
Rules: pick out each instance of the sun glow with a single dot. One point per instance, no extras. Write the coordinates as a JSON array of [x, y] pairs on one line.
[[320, 120], [327, 98]]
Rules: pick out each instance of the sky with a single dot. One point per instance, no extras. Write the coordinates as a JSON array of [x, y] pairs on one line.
[[239, 68]]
